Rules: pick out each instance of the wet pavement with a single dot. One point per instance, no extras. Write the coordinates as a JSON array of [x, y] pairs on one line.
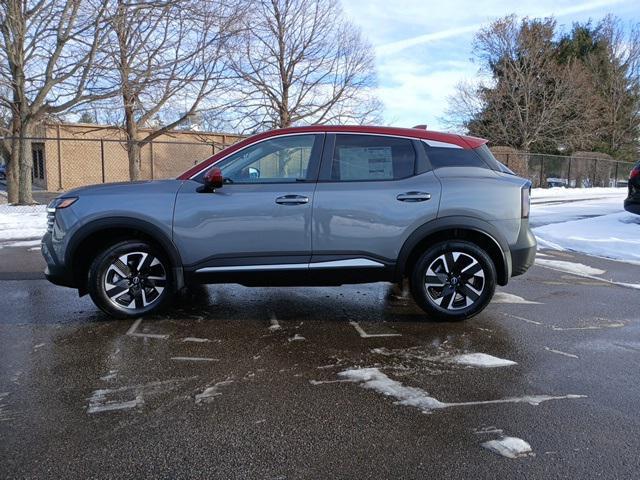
[[235, 382]]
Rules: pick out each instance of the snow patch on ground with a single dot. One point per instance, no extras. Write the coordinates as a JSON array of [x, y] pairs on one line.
[[504, 297], [558, 193], [613, 236], [481, 360], [374, 379], [33, 244], [569, 267], [209, 393], [297, 338], [19, 223], [510, 447]]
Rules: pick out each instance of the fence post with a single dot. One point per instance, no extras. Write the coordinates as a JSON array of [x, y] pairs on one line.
[[151, 158], [541, 170], [569, 174], [102, 159], [213, 149], [59, 159], [595, 170], [615, 182]]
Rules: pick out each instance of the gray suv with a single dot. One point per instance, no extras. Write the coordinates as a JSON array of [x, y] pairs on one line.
[[315, 205]]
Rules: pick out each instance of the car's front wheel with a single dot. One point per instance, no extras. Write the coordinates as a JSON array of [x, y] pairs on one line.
[[453, 280], [130, 279]]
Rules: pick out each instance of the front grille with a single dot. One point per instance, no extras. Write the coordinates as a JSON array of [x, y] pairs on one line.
[[51, 218]]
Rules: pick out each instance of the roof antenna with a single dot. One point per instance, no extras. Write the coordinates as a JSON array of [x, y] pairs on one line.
[[421, 127]]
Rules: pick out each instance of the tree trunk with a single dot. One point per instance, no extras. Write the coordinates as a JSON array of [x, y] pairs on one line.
[[133, 147], [13, 171], [25, 196], [133, 152]]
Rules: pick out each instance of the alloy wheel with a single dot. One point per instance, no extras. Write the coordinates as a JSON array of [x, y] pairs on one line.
[[135, 280], [454, 280]]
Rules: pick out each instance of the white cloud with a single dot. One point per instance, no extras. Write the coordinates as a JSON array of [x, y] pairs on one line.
[[423, 48]]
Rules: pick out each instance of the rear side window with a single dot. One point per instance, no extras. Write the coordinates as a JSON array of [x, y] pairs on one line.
[[372, 157], [441, 157], [492, 161]]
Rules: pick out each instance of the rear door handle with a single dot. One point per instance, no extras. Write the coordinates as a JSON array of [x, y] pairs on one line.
[[414, 197], [292, 200]]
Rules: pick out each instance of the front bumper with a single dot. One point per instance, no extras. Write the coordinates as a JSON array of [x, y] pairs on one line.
[[632, 205], [56, 272], [523, 252]]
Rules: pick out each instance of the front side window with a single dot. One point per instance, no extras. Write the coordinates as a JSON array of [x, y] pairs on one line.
[[281, 159], [372, 157]]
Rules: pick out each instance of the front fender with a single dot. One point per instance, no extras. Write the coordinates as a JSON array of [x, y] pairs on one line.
[[120, 222]]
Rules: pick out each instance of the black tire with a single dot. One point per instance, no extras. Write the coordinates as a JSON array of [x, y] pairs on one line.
[[457, 292], [141, 285]]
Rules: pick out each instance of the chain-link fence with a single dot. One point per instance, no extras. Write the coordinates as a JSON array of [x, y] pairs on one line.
[[61, 163], [65, 163], [577, 171]]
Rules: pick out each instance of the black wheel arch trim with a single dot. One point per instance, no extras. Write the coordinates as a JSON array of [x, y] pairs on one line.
[[130, 223], [455, 222]]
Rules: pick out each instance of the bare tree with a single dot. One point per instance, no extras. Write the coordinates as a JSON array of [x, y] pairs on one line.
[[168, 58], [533, 100], [302, 62], [48, 51], [616, 77]]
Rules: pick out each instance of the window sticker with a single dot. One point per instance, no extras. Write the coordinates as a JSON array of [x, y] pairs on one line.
[[364, 163]]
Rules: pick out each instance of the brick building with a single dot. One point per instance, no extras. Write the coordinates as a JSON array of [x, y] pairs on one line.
[[66, 156]]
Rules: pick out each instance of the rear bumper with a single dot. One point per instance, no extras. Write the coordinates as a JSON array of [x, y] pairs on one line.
[[523, 252]]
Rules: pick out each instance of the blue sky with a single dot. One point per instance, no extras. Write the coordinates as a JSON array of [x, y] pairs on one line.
[[423, 47]]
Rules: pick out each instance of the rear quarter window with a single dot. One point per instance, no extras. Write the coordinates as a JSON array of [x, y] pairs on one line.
[[442, 157]]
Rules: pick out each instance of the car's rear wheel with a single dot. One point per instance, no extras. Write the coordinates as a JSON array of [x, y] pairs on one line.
[[453, 280], [130, 279]]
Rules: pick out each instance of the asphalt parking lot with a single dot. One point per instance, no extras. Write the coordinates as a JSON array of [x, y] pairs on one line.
[[258, 383]]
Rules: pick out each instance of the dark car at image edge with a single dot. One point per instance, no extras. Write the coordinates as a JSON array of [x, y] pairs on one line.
[[632, 202]]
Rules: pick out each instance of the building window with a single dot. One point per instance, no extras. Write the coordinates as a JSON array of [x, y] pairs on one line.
[[37, 153]]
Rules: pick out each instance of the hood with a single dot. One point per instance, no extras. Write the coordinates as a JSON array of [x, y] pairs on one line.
[[139, 187]]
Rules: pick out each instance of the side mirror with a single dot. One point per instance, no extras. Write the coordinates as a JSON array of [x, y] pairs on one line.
[[213, 179], [254, 173]]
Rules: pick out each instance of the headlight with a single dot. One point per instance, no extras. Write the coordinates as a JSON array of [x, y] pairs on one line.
[[57, 204], [61, 202]]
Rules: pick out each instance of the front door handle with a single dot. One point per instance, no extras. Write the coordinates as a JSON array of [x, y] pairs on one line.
[[414, 197], [292, 200]]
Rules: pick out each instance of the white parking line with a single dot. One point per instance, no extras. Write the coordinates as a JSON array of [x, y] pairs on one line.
[[364, 334], [196, 340], [559, 352], [556, 328], [132, 332], [195, 359]]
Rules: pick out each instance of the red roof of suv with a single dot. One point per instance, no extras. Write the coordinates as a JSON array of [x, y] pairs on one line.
[[460, 141]]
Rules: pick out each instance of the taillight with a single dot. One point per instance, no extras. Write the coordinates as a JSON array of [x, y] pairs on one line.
[[526, 200], [634, 173]]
